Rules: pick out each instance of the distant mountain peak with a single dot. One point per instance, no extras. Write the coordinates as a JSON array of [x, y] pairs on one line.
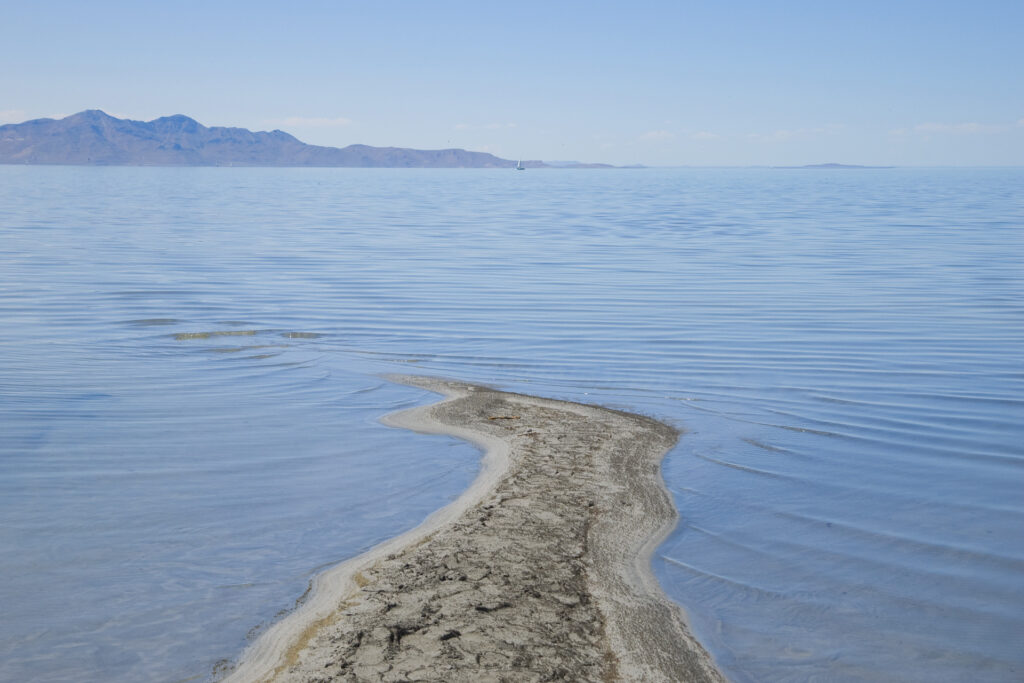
[[90, 114], [175, 118], [280, 134], [93, 137], [177, 122]]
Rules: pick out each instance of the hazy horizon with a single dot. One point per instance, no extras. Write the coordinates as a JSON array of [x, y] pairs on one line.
[[553, 163], [662, 84]]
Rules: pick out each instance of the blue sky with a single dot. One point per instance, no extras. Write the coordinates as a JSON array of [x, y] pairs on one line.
[[659, 83]]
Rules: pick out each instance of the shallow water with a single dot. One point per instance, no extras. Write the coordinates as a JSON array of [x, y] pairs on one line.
[[189, 389]]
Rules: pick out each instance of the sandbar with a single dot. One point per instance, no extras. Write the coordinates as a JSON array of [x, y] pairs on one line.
[[540, 571]]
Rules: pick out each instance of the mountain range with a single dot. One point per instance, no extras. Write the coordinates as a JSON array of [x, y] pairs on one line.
[[95, 138]]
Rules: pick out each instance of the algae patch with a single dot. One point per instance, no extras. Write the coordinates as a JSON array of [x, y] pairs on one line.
[[239, 349], [186, 336]]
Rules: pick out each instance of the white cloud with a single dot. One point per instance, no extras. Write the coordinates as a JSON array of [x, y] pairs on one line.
[[313, 121], [964, 128], [657, 135], [12, 116], [704, 135], [783, 135], [483, 126], [970, 127]]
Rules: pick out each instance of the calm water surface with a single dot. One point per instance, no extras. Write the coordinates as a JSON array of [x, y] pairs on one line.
[[189, 389]]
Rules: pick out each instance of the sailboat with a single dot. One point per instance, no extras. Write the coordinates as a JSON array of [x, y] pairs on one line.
[[519, 165]]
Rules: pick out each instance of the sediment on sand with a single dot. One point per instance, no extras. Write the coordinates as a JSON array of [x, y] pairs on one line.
[[539, 571]]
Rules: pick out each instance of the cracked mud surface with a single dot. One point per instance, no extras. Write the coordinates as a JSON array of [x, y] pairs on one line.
[[544, 579]]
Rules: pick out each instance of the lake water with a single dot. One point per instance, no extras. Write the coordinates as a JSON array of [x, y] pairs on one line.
[[190, 366]]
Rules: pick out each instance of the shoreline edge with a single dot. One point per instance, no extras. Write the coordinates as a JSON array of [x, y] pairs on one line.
[[539, 570]]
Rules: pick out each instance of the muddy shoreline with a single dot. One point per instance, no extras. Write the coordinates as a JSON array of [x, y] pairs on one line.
[[539, 571]]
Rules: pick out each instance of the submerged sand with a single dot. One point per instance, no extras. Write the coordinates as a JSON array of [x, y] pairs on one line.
[[539, 572]]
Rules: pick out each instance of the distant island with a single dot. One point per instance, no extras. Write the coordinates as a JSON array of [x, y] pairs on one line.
[[94, 138], [831, 166]]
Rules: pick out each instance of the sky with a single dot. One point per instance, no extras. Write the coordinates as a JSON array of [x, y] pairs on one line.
[[640, 82]]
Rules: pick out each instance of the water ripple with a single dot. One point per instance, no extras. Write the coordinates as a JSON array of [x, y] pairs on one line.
[[189, 392]]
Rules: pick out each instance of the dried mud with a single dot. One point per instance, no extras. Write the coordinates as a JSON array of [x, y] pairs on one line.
[[544, 577]]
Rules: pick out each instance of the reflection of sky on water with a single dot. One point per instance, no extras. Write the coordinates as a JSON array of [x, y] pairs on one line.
[[190, 401]]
